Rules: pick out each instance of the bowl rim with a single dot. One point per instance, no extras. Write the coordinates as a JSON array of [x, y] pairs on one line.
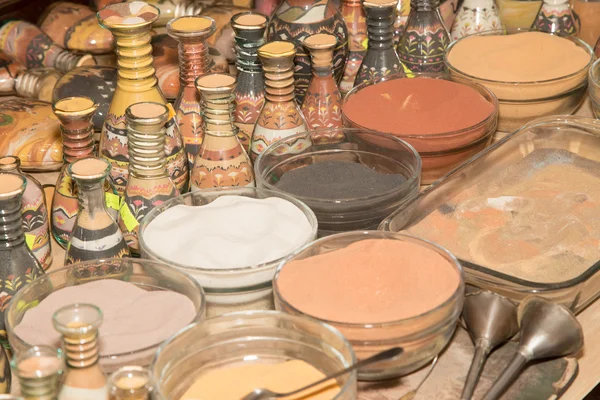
[[594, 74], [456, 295]]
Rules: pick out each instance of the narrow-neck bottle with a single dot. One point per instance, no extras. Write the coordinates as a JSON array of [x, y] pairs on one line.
[[78, 326], [401, 17], [170, 9], [280, 117], [191, 33], [36, 226], [149, 183], [95, 234], [39, 370], [475, 16], [9, 70], [131, 383], [37, 83], [356, 23], [425, 38], [555, 16], [381, 59], [221, 161], [19, 265], [249, 28], [130, 23]]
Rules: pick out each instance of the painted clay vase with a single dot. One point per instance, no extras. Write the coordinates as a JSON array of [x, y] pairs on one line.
[[280, 117], [36, 225], [475, 16], [36, 83], [381, 59], [401, 17], [322, 106], [356, 23], [555, 16], [294, 20], [95, 234], [75, 27], [149, 184], [191, 33], [425, 39], [249, 92], [27, 44], [29, 131], [221, 161], [39, 371], [96, 82], [266, 7], [130, 23], [19, 265], [9, 70]]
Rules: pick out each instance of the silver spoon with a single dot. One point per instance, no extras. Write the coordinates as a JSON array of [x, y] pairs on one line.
[[263, 394]]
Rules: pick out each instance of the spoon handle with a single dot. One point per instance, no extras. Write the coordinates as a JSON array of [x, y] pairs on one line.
[[508, 376]]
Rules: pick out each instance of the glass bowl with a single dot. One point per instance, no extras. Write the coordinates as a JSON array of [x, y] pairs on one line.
[[440, 152], [255, 337], [228, 290], [422, 337], [381, 152], [521, 102], [594, 87], [145, 274]]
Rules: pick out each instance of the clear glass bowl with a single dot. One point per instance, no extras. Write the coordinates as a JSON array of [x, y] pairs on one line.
[[440, 152], [255, 337], [594, 87], [228, 290], [575, 134], [381, 152], [521, 102], [145, 274], [422, 337]]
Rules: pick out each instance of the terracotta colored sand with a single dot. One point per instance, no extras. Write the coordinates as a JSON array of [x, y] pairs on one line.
[[417, 106], [73, 104], [89, 167], [10, 183], [251, 20], [371, 281], [148, 110]]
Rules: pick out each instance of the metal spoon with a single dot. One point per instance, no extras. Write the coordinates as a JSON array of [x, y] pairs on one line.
[[263, 394]]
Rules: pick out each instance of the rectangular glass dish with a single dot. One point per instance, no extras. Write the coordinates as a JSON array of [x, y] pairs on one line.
[[521, 170]]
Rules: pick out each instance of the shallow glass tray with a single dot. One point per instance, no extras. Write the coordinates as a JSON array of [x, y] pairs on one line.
[[575, 134]]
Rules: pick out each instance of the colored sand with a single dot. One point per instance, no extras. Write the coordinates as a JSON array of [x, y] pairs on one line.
[[370, 281], [134, 318], [337, 180], [538, 220], [234, 382]]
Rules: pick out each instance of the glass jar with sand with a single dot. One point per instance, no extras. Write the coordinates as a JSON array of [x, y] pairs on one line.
[[39, 371]]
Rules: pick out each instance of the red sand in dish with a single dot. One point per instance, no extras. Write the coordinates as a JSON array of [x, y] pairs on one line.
[[371, 281]]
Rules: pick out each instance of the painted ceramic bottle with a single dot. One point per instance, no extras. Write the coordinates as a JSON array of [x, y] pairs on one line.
[[37, 83], [78, 325], [36, 226], [191, 33], [131, 383], [19, 265], [322, 106], [425, 39], [149, 183], [476, 16], [27, 44], [130, 23], [401, 17], [356, 23], [555, 16], [249, 28], [9, 70], [75, 27], [221, 161], [39, 370], [280, 117], [381, 59], [95, 234], [266, 7], [294, 20]]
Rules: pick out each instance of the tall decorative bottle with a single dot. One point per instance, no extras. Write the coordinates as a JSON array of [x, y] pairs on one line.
[[194, 61], [401, 17], [19, 265], [95, 234], [280, 117], [130, 24], [78, 325], [35, 213], [39, 370], [249, 28], [356, 22], [555, 16], [149, 183], [476, 16], [381, 59], [131, 383], [425, 38], [222, 161]]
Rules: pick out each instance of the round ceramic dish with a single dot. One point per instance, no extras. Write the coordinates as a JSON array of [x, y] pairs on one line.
[[441, 152], [145, 274], [520, 102], [250, 337], [422, 337], [236, 289], [594, 87], [381, 152]]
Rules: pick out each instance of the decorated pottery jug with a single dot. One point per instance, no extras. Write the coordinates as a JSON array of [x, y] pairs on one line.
[[356, 23], [475, 16], [402, 11], [555, 16]]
